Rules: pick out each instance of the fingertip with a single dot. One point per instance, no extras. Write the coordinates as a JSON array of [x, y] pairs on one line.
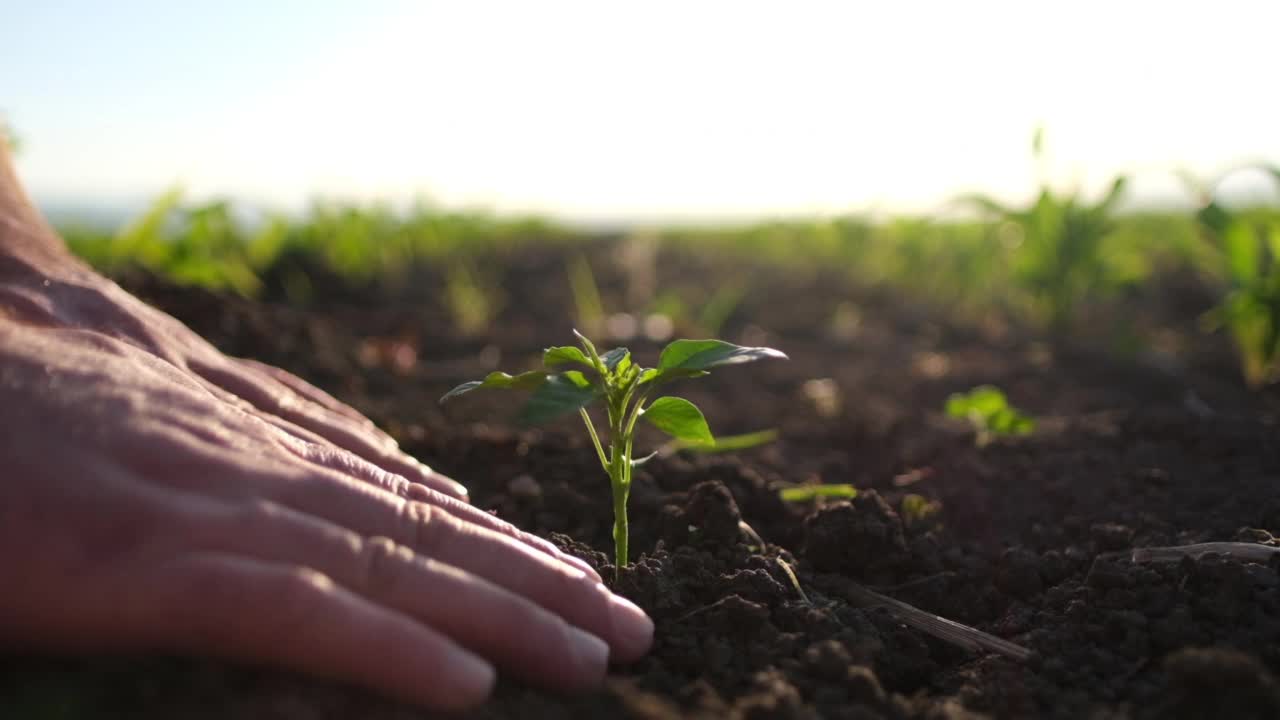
[[472, 681], [439, 482], [632, 628], [590, 656]]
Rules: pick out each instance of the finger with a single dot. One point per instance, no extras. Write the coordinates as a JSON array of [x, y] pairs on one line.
[[305, 389], [566, 590], [291, 617], [217, 457], [320, 451], [369, 512], [579, 598], [359, 437], [514, 631]]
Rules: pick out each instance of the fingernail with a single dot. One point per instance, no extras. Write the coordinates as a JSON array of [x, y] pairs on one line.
[[590, 653], [458, 488], [472, 678], [446, 483], [631, 627]]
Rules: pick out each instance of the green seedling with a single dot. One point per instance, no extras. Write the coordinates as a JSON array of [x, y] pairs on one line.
[[1062, 256], [989, 411], [586, 294], [473, 302], [918, 509], [810, 493], [624, 388], [1247, 256]]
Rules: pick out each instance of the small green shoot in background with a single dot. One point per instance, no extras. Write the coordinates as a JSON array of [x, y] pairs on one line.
[[1061, 256], [811, 493], [586, 294], [918, 510], [473, 302], [1245, 251], [624, 389], [989, 411]]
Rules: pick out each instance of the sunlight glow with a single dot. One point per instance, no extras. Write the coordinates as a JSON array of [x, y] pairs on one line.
[[604, 111]]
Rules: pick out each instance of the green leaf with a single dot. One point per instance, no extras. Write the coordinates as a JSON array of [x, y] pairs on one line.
[[1214, 217], [616, 357], [985, 401], [589, 347], [987, 409], [500, 381], [917, 509], [1243, 252], [806, 493], [680, 419], [706, 354], [1010, 422], [563, 354], [730, 443], [559, 395], [659, 377], [1116, 191]]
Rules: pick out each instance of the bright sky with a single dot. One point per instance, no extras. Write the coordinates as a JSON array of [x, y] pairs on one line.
[[610, 110]]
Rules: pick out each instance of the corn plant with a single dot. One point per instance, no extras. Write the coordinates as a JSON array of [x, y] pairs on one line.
[[1061, 258], [1247, 252], [624, 389]]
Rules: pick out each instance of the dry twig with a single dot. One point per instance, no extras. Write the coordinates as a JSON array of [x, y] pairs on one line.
[[946, 630]]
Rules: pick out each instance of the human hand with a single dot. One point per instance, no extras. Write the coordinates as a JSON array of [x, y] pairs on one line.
[[159, 496]]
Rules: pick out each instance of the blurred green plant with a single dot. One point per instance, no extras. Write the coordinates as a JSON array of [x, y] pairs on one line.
[[710, 317], [811, 493], [1061, 257], [202, 245], [473, 302], [212, 245], [1246, 250], [918, 510], [989, 412], [588, 308]]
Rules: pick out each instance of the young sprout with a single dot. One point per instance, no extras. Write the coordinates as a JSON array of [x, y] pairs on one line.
[[1063, 256], [809, 493], [1247, 249], [987, 409], [623, 388]]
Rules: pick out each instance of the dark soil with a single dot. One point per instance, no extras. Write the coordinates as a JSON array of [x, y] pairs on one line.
[[1023, 538]]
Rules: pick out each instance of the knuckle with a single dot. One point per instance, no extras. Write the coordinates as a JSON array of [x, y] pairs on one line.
[[297, 602], [569, 582], [425, 528], [255, 514], [286, 606], [382, 564]]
